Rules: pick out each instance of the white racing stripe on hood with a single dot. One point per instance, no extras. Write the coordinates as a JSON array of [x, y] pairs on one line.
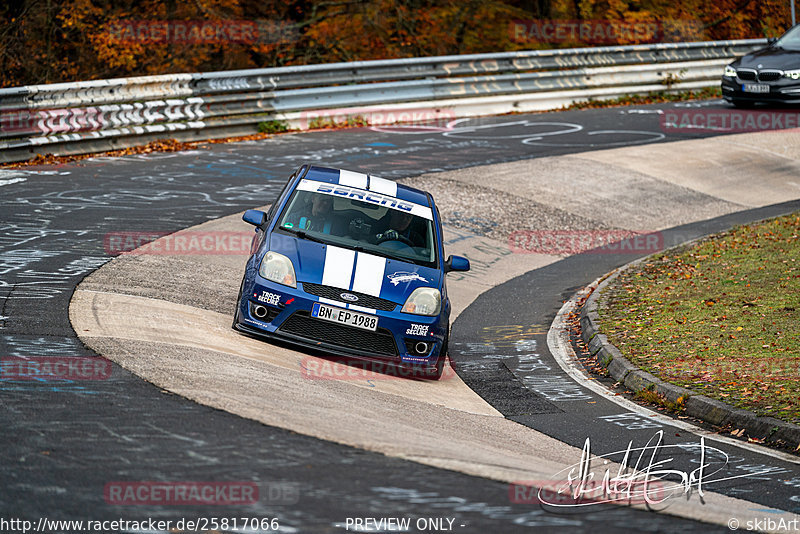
[[383, 186], [353, 179], [338, 269], [369, 274]]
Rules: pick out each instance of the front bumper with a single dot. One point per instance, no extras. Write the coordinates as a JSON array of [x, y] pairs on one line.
[[783, 91], [289, 319]]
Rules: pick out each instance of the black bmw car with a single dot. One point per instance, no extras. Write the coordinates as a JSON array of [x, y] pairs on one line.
[[770, 75]]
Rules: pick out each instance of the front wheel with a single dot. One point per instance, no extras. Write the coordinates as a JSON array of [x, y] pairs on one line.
[[743, 104], [436, 372], [238, 305]]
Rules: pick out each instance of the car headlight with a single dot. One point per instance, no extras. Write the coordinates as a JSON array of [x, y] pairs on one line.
[[423, 301], [278, 268], [730, 72], [793, 74]]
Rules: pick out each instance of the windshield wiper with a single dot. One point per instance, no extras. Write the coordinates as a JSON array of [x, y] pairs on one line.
[[358, 248], [386, 254], [304, 235]]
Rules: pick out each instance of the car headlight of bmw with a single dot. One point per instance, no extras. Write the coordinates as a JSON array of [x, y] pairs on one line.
[[278, 268], [730, 72], [423, 301], [792, 74]]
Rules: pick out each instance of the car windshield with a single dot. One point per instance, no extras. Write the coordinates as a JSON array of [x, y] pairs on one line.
[[359, 225], [790, 40]]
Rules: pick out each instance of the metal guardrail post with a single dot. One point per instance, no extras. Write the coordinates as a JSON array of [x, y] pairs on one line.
[[103, 114]]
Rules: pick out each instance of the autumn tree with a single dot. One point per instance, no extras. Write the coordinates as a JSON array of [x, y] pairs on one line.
[[46, 41]]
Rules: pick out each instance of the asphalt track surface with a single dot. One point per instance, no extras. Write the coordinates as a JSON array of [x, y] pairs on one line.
[[63, 442], [504, 357]]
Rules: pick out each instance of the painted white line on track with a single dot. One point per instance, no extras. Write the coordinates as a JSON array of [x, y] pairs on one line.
[[561, 349]]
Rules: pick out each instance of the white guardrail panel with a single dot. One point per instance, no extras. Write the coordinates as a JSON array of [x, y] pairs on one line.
[[104, 114]]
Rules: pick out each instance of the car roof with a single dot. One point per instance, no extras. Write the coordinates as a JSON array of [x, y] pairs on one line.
[[368, 182]]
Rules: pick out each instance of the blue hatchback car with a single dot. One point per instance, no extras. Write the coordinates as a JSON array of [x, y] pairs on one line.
[[351, 264]]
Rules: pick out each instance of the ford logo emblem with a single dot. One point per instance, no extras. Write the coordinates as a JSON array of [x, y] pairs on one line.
[[349, 297]]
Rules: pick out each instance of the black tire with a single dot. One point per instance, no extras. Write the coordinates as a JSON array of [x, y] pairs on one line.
[[743, 104], [437, 372], [238, 305]]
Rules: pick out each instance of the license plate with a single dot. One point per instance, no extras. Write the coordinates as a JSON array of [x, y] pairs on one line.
[[342, 316], [755, 88]]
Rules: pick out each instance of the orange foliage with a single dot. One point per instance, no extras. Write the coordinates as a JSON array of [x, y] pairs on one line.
[[47, 41]]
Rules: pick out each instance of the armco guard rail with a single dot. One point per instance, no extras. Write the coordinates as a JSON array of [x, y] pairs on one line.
[[82, 117]]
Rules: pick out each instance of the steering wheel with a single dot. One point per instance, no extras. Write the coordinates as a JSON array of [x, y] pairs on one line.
[[392, 235]]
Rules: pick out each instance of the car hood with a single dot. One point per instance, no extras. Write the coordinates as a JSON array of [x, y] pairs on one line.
[[351, 271], [771, 58]]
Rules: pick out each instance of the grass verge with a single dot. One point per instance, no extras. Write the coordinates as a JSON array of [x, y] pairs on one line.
[[659, 97], [721, 318]]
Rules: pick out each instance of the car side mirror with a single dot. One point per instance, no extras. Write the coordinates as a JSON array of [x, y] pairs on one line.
[[771, 41], [254, 217], [456, 263]]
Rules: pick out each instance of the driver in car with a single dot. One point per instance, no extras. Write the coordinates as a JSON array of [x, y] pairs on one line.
[[320, 219], [397, 227]]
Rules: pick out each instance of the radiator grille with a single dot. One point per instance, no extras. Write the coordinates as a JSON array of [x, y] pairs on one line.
[[334, 293], [769, 75], [303, 325], [746, 75]]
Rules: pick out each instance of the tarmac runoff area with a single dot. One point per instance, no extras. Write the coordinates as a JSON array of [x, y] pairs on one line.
[[167, 317]]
